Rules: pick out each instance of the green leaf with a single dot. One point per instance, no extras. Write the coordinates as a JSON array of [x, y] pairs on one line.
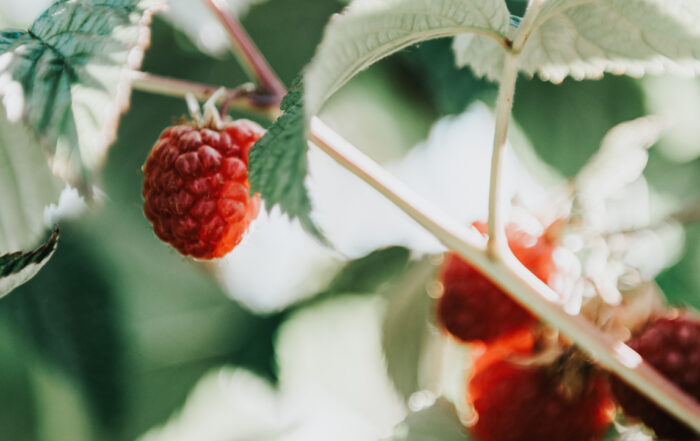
[[26, 187], [67, 77], [437, 422], [368, 31], [366, 274], [450, 89], [278, 163], [619, 161], [18, 267], [405, 326], [570, 128], [584, 39]]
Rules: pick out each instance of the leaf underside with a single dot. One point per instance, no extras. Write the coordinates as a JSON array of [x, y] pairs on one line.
[[585, 39]]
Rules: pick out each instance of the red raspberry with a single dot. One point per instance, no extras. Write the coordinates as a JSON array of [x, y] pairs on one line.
[[672, 346], [472, 307], [196, 187], [528, 403]]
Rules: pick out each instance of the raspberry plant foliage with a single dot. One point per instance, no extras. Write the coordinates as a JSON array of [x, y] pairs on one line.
[[67, 79]]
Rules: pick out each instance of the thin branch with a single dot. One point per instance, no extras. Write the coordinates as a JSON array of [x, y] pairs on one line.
[[513, 277], [504, 104], [246, 51], [244, 97]]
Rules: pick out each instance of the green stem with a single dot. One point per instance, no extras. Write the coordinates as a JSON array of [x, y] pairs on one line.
[[504, 104]]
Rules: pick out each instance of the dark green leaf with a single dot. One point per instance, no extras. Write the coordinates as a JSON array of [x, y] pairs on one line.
[[278, 163], [438, 422], [69, 315], [405, 326], [364, 275], [569, 128], [450, 88], [16, 268], [367, 273], [69, 77]]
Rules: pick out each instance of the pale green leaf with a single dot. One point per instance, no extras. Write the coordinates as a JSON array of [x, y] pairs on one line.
[[369, 30], [20, 266], [67, 77], [26, 187], [620, 161], [437, 422], [586, 38], [405, 326]]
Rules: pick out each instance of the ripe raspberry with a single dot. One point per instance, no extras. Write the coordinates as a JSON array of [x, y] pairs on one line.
[[672, 346], [474, 308], [196, 187], [529, 403]]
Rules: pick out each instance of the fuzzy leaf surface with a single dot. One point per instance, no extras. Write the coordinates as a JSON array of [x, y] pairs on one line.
[[66, 77], [369, 30], [586, 38]]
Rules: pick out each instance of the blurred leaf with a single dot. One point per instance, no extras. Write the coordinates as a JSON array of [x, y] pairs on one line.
[[67, 77], [619, 161], [364, 275], [226, 404], [577, 115], [200, 24], [368, 31], [278, 163], [27, 187], [681, 282], [70, 317], [584, 40], [18, 267], [451, 89], [406, 325], [437, 422]]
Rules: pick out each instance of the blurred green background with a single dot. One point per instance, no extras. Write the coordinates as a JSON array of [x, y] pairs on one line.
[[109, 338]]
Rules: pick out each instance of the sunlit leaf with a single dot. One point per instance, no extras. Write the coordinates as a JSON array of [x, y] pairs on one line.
[[368, 31], [620, 160], [67, 77], [437, 422], [586, 39]]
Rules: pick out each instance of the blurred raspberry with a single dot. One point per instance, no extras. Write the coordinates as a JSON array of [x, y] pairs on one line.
[[530, 403], [472, 307], [196, 187], [672, 346]]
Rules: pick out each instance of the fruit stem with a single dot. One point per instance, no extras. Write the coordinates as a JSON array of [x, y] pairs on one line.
[[247, 53], [507, 272], [504, 104], [244, 97]]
